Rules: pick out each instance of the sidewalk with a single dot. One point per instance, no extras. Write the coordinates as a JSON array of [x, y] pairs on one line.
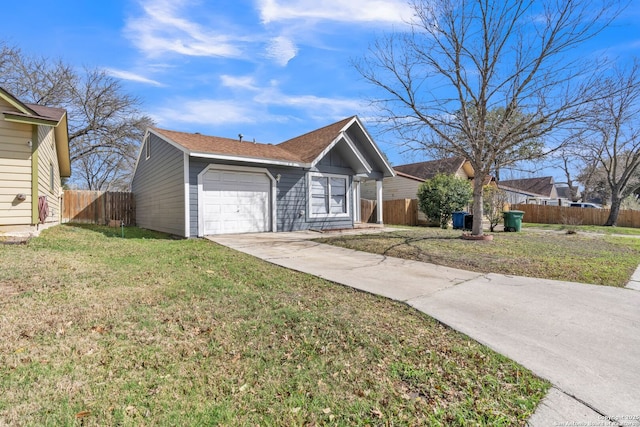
[[585, 339]]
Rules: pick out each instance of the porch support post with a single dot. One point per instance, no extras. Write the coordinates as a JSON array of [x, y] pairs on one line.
[[379, 200]]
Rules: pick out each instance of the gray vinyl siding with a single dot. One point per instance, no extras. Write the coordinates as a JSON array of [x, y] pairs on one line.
[[291, 199], [292, 206], [291, 196], [158, 188], [367, 152], [333, 163]]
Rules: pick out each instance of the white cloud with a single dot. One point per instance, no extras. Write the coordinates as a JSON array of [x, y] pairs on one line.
[[162, 29], [204, 112], [239, 82], [366, 11], [311, 105], [127, 75], [254, 110], [282, 50]]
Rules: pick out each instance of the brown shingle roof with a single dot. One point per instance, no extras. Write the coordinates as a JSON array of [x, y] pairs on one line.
[[542, 186], [226, 146], [302, 149], [48, 112], [310, 145], [427, 170]]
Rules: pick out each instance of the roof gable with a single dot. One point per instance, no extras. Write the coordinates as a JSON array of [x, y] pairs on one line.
[[35, 114], [542, 186], [311, 145], [304, 151], [429, 169]]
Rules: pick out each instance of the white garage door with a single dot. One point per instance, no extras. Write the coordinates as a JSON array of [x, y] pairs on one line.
[[235, 202]]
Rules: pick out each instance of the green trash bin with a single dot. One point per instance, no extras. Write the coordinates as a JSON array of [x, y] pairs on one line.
[[513, 220]]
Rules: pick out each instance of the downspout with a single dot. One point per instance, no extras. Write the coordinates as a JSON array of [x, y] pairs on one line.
[[379, 200], [35, 217]]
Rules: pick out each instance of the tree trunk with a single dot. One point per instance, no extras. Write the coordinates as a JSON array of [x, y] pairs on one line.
[[616, 201], [476, 229]]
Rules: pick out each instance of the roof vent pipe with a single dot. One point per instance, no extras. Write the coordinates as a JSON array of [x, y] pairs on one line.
[[240, 137]]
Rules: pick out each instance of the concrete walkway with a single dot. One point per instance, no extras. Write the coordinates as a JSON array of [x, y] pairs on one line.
[[585, 339]]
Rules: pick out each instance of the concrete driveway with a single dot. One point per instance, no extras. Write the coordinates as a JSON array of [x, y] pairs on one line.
[[585, 339]]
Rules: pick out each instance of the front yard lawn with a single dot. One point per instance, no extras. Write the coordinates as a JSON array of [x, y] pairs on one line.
[[598, 229], [582, 257], [146, 330]]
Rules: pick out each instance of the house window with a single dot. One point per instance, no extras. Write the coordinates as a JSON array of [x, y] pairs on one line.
[[147, 148], [328, 195], [52, 177]]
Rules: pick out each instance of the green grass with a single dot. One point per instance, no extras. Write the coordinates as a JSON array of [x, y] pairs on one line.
[[627, 231], [581, 257], [145, 330]]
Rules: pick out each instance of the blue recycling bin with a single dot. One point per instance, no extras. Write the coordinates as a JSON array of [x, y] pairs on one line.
[[458, 220]]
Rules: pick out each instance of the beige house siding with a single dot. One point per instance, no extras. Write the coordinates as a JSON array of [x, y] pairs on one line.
[[399, 187], [48, 163], [393, 188], [15, 170]]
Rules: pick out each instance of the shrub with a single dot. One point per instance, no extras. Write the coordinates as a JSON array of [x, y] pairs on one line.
[[441, 195]]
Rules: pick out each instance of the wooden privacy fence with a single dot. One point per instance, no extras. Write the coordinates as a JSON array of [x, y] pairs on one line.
[[545, 214], [367, 210], [98, 207], [400, 212]]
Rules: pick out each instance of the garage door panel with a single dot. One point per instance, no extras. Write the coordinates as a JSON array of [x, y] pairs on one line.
[[236, 202]]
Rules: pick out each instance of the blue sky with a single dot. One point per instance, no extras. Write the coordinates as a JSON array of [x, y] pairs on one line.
[[269, 69]]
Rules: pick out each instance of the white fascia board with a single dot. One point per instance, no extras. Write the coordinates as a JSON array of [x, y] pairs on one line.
[[373, 144], [258, 160], [343, 137], [326, 150], [144, 138], [169, 140], [357, 153], [187, 204], [150, 131]]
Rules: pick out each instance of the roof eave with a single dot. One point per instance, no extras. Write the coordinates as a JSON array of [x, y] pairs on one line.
[[16, 103], [408, 176], [389, 172], [31, 120], [249, 159], [61, 132], [362, 163]]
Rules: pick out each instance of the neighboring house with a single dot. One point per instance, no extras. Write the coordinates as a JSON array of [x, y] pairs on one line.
[[565, 193], [523, 190], [404, 185], [189, 184], [34, 155]]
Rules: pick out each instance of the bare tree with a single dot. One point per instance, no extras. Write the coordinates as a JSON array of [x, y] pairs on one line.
[[612, 132], [460, 60], [105, 123], [594, 181]]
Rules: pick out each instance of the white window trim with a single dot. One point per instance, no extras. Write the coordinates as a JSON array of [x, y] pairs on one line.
[[147, 149], [348, 195]]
